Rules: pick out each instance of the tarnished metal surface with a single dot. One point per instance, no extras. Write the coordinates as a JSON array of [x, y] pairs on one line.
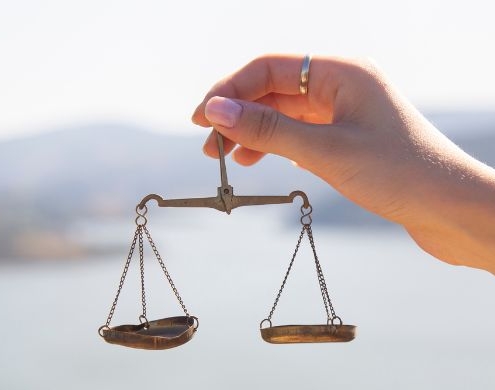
[[174, 331], [232, 201], [159, 334], [225, 200], [333, 331], [287, 334]]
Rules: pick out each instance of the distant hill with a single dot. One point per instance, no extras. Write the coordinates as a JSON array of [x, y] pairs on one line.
[[101, 171], [50, 181]]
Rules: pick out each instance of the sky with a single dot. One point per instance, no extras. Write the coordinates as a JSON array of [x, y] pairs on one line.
[[149, 63]]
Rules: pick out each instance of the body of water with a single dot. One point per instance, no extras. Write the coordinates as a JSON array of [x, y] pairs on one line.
[[421, 324]]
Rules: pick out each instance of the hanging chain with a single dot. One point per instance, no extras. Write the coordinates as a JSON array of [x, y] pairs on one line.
[[165, 271], [321, 278], [286, 274], [141, 222], [306, 223], [141, 266], [122, 278]]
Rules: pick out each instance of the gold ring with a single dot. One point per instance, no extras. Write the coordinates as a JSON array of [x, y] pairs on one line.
[[304, 80]]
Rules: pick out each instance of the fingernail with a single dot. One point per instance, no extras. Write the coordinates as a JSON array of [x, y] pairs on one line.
[[222, 111]]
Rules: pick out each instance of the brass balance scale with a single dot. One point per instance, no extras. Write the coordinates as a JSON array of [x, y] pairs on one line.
[[174, 331]]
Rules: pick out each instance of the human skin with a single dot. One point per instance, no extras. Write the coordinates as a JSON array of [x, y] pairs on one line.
[[358, 133]]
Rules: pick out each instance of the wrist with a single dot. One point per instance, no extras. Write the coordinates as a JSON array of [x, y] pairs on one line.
[[455, 221]]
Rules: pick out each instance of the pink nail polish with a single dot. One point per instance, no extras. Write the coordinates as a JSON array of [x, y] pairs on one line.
[[223, 111]]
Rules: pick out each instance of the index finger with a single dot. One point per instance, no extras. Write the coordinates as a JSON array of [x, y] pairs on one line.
[[267, 74]]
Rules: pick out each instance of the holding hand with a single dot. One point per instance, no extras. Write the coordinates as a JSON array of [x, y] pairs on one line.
[[356, 132]]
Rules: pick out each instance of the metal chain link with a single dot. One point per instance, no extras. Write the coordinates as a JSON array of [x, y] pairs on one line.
[[306, 222], [141, 266], [321, 278], [138, 238], [165, 271], [286, 274], [122, 278]]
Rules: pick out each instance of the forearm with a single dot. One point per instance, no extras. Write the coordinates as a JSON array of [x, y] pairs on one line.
[[455, 219]]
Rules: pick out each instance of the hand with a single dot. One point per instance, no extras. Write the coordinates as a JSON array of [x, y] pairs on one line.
[[356, 132]]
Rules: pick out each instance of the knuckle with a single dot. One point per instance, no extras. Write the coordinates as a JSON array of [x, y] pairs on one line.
[[266, 126], [368, 67], [371, 67], [368, 63], [262, 59]]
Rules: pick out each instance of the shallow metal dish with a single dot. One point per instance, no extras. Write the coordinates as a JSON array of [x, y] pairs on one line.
[[287, 334], [158, 334]]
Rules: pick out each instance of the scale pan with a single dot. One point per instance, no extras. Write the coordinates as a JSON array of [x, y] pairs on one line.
[[158, 334], [288, 334]]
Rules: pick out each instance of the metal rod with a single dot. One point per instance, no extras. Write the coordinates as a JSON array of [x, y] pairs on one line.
[[217, 202], [223, 168], [225, 200]]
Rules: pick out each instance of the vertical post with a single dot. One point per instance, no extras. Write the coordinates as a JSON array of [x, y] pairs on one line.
[[225, 191], [223, 169]]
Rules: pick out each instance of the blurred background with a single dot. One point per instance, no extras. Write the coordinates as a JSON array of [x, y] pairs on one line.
[[95, 101]]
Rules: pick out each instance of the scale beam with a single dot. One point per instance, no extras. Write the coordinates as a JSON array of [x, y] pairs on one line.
[[225, 200], [225, 203]]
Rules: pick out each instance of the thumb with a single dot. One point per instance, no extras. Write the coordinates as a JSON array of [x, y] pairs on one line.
[[261, 128]]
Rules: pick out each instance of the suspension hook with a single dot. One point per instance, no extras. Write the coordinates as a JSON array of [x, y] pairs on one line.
[[141, 220]]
